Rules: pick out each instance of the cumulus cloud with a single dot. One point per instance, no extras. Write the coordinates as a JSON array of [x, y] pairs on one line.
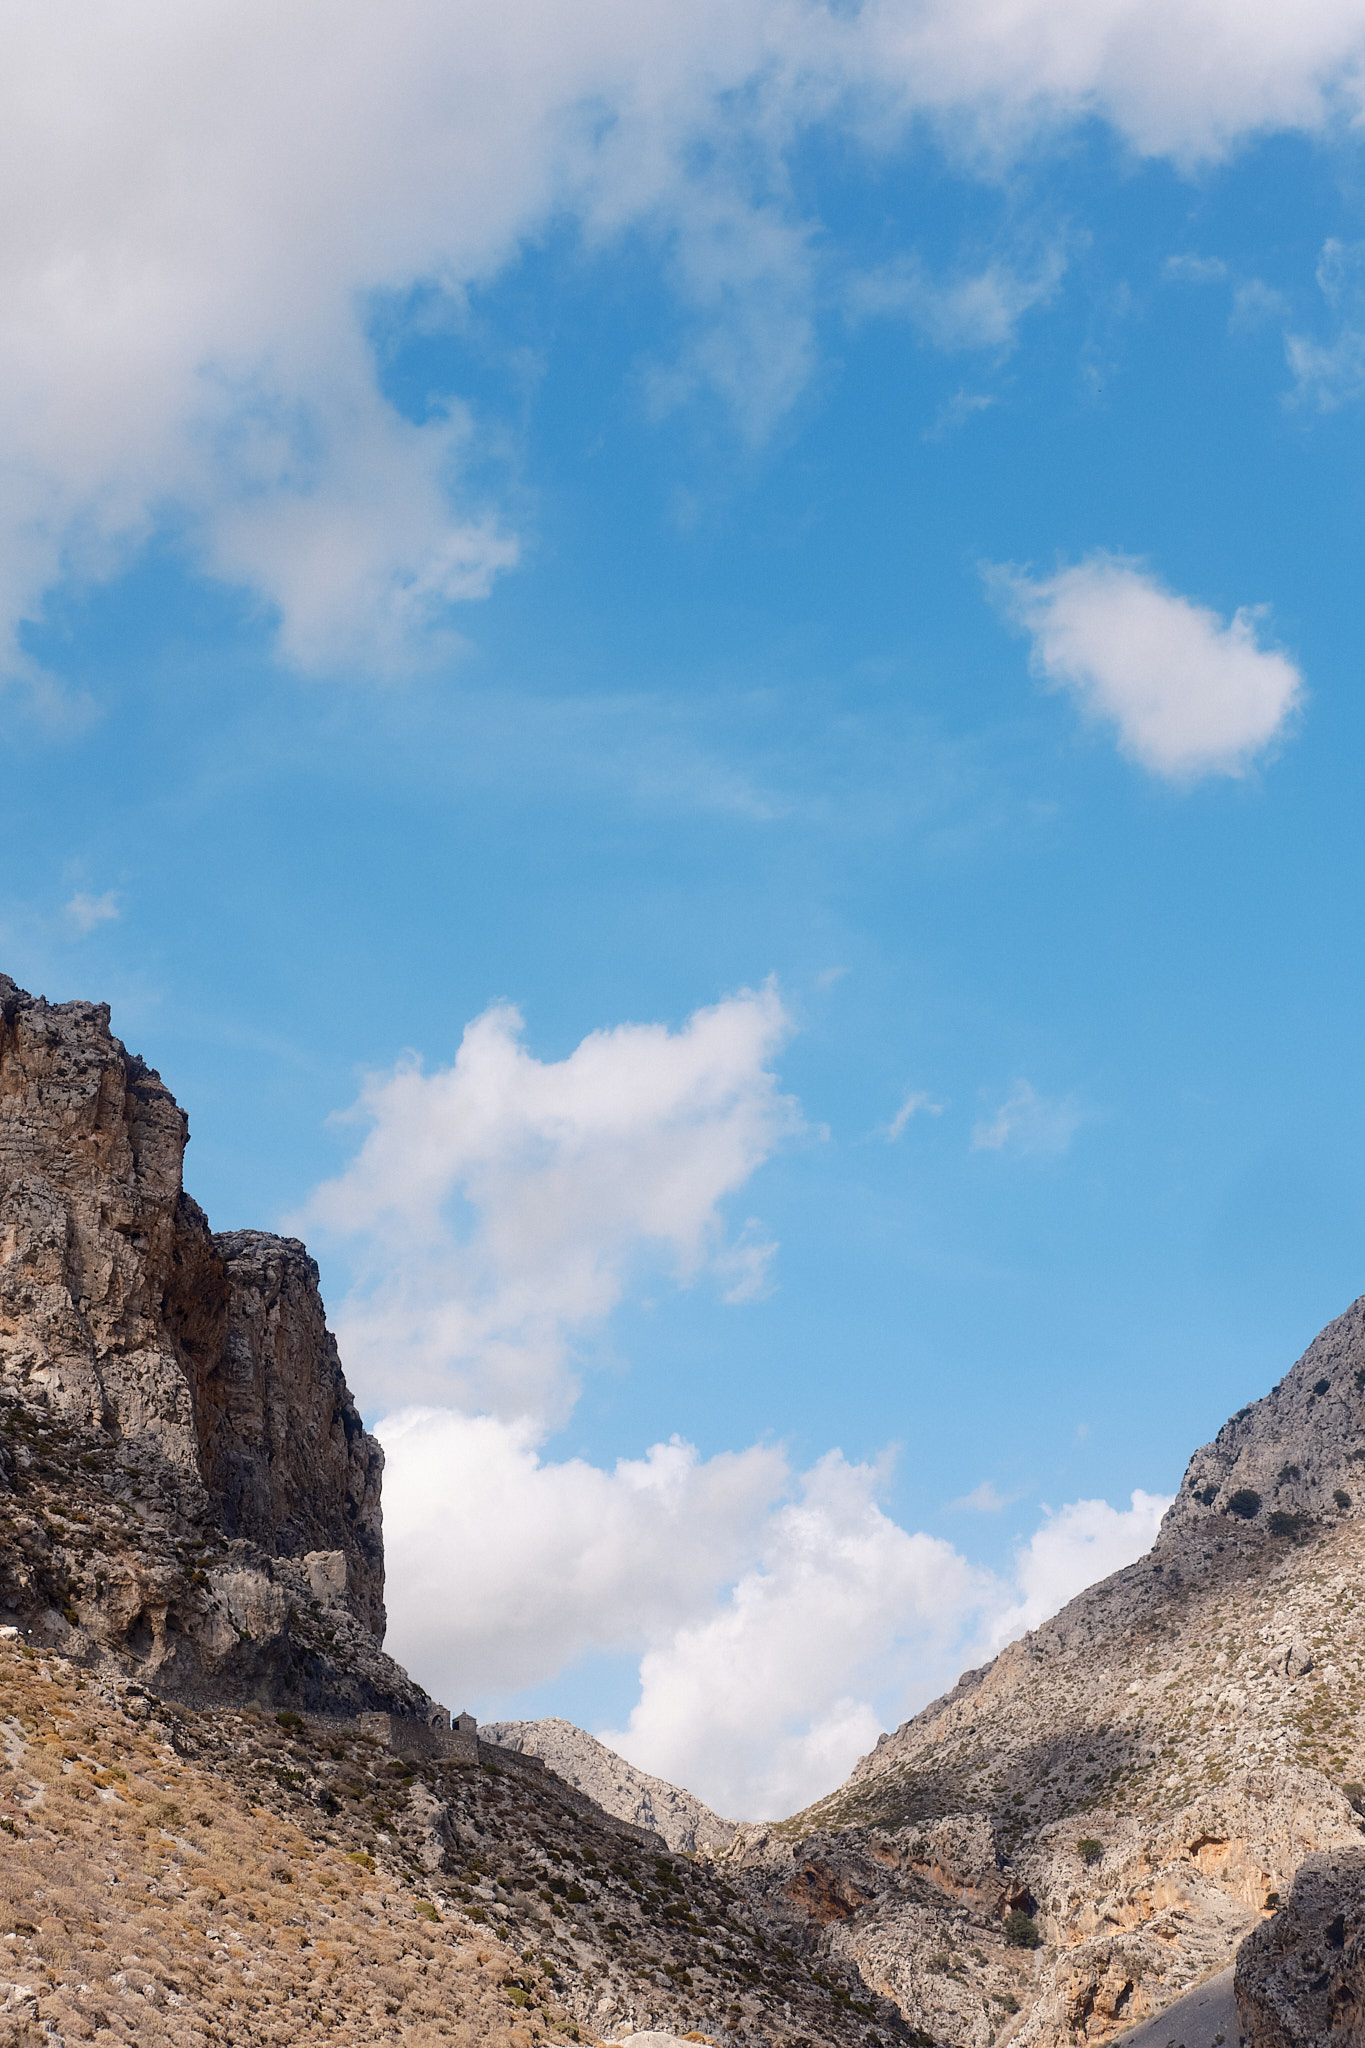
[[1189, 693], [84, 913], [504, 1567], [496, 1206], [765, 1701], [1028, 1123], [205, 206]]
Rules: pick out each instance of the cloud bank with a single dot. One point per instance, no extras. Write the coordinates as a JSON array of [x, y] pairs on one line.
[[495, 1213], [780, 1618], [1189, 694], [206, 207]]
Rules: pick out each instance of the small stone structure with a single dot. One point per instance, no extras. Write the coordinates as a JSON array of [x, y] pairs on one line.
[[440, 1736]]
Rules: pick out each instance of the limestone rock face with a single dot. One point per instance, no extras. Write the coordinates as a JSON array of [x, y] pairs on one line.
[[121, 1312], [1300, 1979], [617, 1786]]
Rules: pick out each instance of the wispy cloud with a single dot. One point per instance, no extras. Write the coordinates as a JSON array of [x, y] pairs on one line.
[[1029, 1123], [914, 1105], [1331, 372], [83, 913], [966, 310], [1192, 269], [984, 1499]]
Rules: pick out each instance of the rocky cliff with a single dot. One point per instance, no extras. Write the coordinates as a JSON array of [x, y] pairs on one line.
[[1080, 1831], [617, 1786], [188, 1380]]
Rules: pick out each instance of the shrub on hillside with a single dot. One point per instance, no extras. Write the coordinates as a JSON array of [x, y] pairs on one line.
[[1246, 1502], [1089, 1850], [1021, 1931]]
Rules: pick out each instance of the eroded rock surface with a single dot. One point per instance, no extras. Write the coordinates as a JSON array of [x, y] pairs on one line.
[[617, 1786]]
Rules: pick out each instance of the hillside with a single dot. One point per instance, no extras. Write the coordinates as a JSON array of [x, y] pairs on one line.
[[1139, 1780], [226, 1816]]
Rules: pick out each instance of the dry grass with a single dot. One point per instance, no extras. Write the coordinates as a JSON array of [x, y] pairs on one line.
[[145, 1897]]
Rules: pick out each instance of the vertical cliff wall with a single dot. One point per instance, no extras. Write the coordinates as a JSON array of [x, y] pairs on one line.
[[122, 1310]]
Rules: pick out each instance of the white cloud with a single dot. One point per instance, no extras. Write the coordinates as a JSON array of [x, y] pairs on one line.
[[1073, 1548], [84, 912], [912, 1106], [496, 1206], [203, 204], [1189, 693], [503, 1568], [1029, 1123], [499, 1208]]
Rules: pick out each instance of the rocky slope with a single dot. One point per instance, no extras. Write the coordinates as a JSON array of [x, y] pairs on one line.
[[617, 1786], [1132, 1787], [195, 1876]]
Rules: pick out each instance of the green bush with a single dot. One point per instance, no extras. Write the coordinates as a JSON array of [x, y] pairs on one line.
[[1283, 1523], [288, 1720], [1021, 1930], [1342, 1497], [1246, 1502], [1089, 1850]]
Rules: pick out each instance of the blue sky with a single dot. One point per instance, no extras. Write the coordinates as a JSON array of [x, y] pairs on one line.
[[848, 524]]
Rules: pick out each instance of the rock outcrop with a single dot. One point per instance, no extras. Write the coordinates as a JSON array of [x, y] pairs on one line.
[[184, 1380], [1300, 1979], [1084, 1829], [617, 1786]]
